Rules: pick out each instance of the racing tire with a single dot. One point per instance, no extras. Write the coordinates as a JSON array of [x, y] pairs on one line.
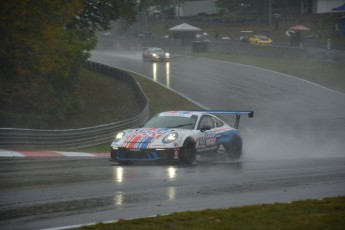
[[234, 148], [188, 152]]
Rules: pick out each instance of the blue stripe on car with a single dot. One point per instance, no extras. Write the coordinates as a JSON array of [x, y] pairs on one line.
[[226, 136]]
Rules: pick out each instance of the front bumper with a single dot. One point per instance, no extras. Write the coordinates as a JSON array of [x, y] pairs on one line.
[[141, 155], [160, 59]]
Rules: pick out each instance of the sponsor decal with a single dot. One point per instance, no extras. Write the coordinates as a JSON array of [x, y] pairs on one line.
[[176, 113], [222, 130], [209, 139], [176, 153], [134, 150], [142, 138], [207, 148], [150, 132]]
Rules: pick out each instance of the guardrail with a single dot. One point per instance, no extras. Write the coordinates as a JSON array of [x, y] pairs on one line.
[[257, 50], [83, 137]]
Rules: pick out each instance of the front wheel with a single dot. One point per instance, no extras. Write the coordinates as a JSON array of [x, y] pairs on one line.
[[188, 152], [234, 147]]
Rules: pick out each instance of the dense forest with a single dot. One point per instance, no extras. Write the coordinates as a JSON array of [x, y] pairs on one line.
[[43, 45]]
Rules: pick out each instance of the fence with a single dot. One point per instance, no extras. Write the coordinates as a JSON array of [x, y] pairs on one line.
[[83, 137], [258, 50]]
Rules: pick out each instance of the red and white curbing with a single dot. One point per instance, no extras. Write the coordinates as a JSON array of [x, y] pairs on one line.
[[42, 153]]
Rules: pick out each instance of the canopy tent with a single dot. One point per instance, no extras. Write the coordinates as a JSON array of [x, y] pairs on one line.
[[184, 31], [340, 8], [184, 27], [299, 28]]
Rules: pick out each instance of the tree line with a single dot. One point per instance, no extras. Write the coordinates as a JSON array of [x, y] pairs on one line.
[[43, 45]]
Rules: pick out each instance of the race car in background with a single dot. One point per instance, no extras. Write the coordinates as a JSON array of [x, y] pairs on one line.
[[260, 40], [178, 137], [155, 54]]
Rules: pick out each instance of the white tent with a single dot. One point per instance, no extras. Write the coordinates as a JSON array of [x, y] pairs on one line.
[[184, 31], [184, 27]]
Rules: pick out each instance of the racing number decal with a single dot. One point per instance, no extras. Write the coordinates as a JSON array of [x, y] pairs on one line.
[[207, 140]]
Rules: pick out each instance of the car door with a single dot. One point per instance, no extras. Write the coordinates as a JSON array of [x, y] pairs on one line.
[[207, 139]]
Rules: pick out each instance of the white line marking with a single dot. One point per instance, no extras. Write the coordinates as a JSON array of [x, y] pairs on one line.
[[76, 154], [7, 153]]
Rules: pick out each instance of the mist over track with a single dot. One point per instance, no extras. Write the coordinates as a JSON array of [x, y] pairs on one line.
[[294, 118]]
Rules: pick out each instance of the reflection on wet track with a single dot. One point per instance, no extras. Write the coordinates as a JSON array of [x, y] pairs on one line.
[[118, 175], [163, 78], [42, 193]]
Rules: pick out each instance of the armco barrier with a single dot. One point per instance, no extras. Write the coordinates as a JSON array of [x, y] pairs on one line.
[[83, 137], [258, 50]]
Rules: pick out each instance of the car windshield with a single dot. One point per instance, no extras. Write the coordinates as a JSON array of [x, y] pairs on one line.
[[157, 50], [262, 37], [172, 122]]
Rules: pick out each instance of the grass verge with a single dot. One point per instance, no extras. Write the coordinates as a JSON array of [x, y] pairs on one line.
[[309, 214], [101, 98], [161, 99], [328, 74]]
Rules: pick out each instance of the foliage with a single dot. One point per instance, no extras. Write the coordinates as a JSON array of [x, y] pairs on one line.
[[320, 214], [327, 74], [43, 43]]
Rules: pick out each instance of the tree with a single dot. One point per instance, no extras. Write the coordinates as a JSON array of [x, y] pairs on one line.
[[43, 43]]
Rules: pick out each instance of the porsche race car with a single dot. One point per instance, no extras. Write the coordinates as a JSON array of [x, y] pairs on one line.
[[178, 137], [260, 39], [155, 54]]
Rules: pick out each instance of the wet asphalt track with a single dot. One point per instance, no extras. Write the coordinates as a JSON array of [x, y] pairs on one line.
[[293, 150]]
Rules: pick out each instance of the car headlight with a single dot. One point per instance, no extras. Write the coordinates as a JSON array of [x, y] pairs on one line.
[[119, 136], [155, 55], [167, 55], [170, 138]]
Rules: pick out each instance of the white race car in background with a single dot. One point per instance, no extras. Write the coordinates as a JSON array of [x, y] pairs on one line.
[[178, 137], [155, 54]]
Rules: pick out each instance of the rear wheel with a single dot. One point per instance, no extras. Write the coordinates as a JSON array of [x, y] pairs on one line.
[[188, 152], [234, 147]]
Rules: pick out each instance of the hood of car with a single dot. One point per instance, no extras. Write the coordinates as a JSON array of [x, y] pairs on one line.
[[144, 137], [161, 54]]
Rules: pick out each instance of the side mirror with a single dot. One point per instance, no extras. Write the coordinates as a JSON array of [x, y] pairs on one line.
[[205, 128]]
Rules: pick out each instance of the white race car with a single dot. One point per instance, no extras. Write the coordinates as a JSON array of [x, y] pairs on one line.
[[178, 137], [155, 54]]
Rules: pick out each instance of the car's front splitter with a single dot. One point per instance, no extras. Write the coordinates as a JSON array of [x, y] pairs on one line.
[[142, 155]]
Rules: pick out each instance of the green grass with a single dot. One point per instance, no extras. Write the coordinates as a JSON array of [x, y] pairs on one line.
[[328, 74], [101, 98], [161, 99], [309, 214]]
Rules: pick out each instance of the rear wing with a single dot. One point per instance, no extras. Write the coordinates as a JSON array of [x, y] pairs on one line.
[[230, 112]]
